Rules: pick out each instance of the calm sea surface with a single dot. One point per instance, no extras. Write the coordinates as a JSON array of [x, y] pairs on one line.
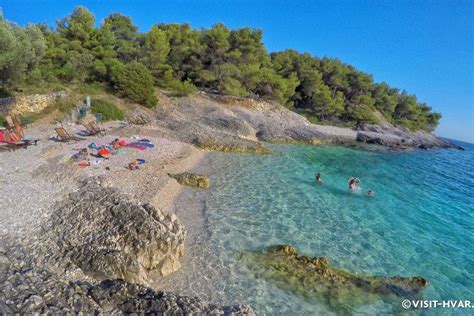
[[420, 222]]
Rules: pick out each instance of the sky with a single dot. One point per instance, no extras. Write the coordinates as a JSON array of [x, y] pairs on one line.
[[425, 47]]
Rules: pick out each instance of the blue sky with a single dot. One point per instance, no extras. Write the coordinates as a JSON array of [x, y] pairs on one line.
[[425, 47]]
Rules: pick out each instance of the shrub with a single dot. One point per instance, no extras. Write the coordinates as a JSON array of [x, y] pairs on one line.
[[183, 88], [2, 121], [135, 82], [109, 111]]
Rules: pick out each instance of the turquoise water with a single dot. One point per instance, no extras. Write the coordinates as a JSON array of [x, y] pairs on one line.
[[420, 222]]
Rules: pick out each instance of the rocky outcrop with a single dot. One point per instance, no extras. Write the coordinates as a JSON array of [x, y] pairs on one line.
[[28, 103], [191, 179], [108, 235], [314, 278], [27, 289], [399, 137], [222, 123], [231, 144]]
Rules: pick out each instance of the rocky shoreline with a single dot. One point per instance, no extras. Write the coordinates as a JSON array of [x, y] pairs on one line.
[[98, 237], [90, 240], [222, 123]]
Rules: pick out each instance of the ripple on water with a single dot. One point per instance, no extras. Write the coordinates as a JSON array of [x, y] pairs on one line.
[[419, 223]]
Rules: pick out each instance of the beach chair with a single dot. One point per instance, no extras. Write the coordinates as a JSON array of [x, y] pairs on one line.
[[9, 122], [65, 136], [14, 126], [17, 120], [10, 140], [89, 130], [96, 128]]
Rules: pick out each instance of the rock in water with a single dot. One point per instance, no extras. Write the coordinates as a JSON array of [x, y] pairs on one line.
[[108, 235], [191, 179], [315, 280]]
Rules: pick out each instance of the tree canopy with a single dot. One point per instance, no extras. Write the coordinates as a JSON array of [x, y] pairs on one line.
[[182, 59]]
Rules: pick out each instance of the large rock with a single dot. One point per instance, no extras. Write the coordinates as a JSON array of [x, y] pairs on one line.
[[314, 279], [27, 289], [108, 235], [223, 123], [191, 179]]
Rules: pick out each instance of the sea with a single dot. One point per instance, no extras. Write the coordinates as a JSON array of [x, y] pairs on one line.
[[420, 222]]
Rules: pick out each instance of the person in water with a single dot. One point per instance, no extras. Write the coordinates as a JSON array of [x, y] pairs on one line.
[[370, 193], [353, 183], [318, 178]]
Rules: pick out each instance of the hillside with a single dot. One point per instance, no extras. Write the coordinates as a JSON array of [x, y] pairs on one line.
[[181, 59]]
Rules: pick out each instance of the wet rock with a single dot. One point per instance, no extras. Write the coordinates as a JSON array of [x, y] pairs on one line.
[[108, 235], [191, 179], [314, 279]]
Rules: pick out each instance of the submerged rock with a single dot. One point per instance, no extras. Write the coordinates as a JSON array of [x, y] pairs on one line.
[[315, 279], [108, 235], [27, 289], [191, 179]]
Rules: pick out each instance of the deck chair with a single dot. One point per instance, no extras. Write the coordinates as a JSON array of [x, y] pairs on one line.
[[9, 122], [96, 128], [14, 126], [17, 120], [90, 131], [9, 140], [65, 136]]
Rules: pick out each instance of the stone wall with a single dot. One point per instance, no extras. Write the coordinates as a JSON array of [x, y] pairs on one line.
[[25, 104]]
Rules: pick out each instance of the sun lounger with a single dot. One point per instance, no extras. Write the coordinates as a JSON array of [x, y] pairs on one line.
[[90, 131], [65, 136], [9, 122], [9, 139], [96, 128]]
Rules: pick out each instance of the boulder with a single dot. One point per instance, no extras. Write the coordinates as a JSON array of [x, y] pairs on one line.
[[29, 289], [191, 179], [108, 235], [314, 279]]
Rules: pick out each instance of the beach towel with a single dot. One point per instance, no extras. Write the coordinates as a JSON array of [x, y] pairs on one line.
[[144, 144], [135, 146], [104, 152]]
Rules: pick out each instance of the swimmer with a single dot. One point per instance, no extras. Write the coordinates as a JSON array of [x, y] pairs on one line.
[[370, 193], [318, 178], [352, 184]]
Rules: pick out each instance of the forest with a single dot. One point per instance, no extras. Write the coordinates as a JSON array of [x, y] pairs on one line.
[[180, 59]]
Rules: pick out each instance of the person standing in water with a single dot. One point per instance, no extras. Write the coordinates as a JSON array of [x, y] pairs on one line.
[[318, 178], [353, 183]]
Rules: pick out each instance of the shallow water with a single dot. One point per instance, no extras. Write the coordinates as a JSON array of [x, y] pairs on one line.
[[420, 222]]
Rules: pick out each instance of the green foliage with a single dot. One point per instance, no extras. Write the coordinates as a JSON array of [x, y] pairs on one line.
[[21, 49], [135, 82], [181, 60], [2, 121], [109, 111]]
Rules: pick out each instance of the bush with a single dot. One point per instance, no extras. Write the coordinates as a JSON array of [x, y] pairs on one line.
[[183, 88], [109, 111], [2, 121], [135, 82]]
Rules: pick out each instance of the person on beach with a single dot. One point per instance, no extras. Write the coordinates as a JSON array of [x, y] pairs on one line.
[[318, 178], [116, 144], [370, 193]]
